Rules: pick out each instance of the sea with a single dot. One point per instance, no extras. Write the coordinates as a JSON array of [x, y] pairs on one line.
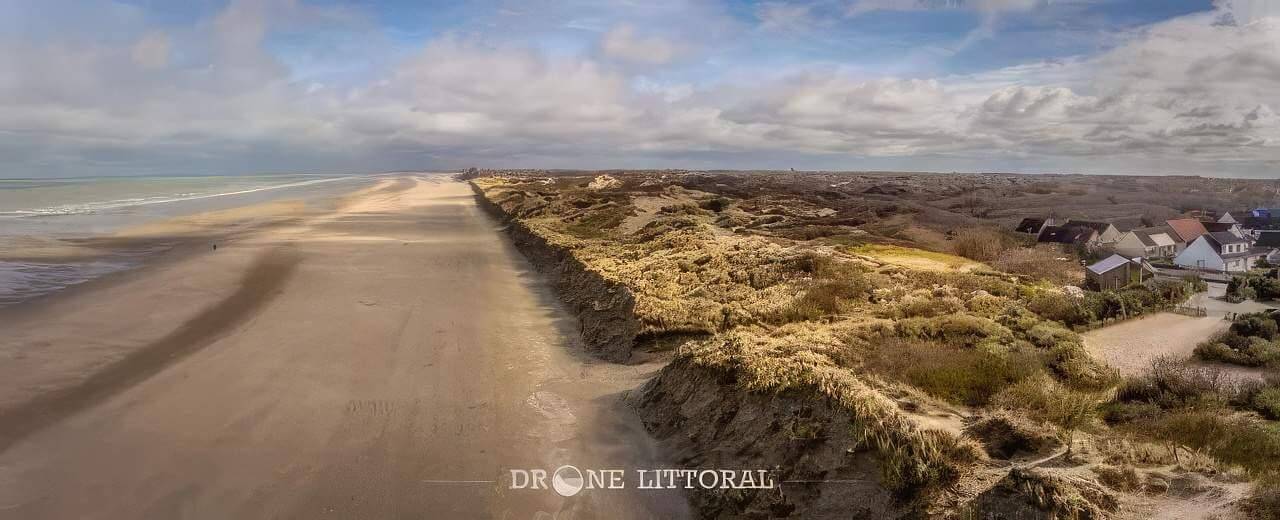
[[43, 210]]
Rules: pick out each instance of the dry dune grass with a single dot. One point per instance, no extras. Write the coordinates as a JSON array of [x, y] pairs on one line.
[[784, 313]]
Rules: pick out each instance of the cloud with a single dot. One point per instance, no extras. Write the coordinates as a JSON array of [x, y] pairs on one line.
[[1190, 95], [622, 43], [781, 16], [859, 7]]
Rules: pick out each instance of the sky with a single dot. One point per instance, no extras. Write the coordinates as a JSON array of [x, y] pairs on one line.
[[156, 87]]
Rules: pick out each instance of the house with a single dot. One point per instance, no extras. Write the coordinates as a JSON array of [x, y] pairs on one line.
[[1151, 242], [1107, 233], [1226, 218], [1033, 226], [1269, 241], [1220, 251], [1252, 224], [1112, 272], [1233, 228], [1091, 235], [1186, 231]]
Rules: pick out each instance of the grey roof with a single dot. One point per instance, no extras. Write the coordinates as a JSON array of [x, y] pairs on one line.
[[1226, 237], [1091, 224], [1066, 234], [1268, 239], [1145, 235], [1108, 264], [1218, 226], [1030, 225]]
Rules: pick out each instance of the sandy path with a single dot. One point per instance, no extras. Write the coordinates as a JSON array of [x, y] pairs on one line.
[[371, 363], [1131, 346]]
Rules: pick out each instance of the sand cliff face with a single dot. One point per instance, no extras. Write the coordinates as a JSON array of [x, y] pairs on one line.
[[820, 469], [604, 309]]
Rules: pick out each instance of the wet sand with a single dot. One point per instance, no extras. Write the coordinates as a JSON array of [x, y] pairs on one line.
[[393, 357]]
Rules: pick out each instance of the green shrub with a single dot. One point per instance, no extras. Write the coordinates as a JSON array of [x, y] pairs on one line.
[[1267, 403], [959, 375], [981, 244], [1268, 288], [1263, 352], [1047, 336], [1259, 325], [929, 307], [822, 299], [1059, 307], [1044, 399], [1221, 352], [1232, 439], [1173, 384], [1253, 340], [1078, 369], [955, 329], [986, 305]]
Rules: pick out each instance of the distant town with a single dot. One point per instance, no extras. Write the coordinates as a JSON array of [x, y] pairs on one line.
[[1214, 246]]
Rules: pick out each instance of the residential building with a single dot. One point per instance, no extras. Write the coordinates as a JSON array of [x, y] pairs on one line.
[[1033, 226], [1151, 242], [1186, 231], [1090, 234], [1220, 251], [1233, 228], [1269, 241], [1112, 272]]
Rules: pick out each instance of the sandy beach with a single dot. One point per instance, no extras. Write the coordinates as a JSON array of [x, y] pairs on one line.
[[392, 356]]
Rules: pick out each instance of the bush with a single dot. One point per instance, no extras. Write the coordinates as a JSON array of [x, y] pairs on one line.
[[1062, 308], [928, 307], [1268, 288], [1044, 399], [956, 329], [965, 376], [981, 244], [1080, 370], [1042, 262], [1264, 500], [1259, 325], [1253, 340], [1232, 439], [821, 299], [986, 305], [1173, 384], [1220, 352], [1267, 403], [1047, 336]]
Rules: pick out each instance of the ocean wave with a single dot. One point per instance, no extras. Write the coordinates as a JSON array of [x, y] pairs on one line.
[[115, 204]]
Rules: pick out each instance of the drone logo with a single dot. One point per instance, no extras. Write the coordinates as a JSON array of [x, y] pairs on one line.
[[567, 481]]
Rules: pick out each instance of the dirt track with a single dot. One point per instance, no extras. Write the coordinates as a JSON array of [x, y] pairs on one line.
[[401, 357]]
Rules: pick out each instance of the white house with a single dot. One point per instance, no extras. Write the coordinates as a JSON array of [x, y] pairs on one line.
[[1152, 242], [1220, 251]]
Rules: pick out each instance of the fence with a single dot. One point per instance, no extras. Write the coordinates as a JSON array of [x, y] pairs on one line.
[[1191, 310]]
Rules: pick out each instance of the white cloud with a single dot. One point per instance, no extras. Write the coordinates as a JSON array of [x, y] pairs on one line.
[[622, 43], [781, 16], [1194, 93], [152, 51]]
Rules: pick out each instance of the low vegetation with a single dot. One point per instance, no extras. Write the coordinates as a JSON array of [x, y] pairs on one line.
[[1252, 340], [837, 297], [1254, 287]]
